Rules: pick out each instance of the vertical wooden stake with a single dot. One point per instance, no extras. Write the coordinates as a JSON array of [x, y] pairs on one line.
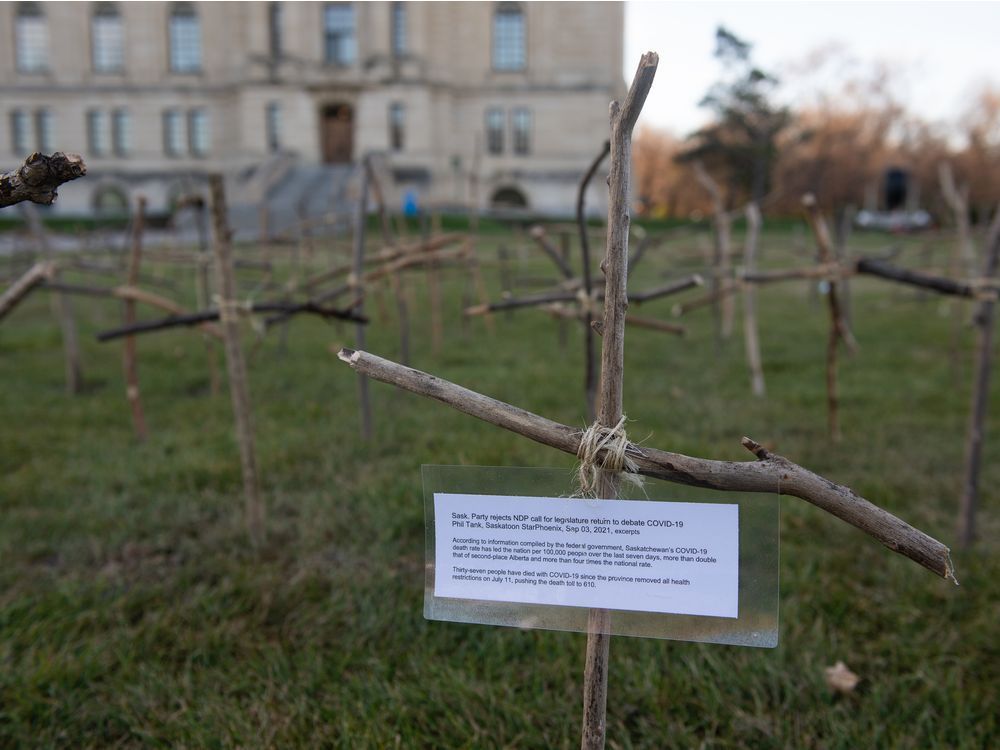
[[235, 363], [129, 364], [985, 321], [590, 371], [203, 292], [838, 327], [722, 307], [357, 284], [751, 339], [402, 310], [615, 267], [62, 306]]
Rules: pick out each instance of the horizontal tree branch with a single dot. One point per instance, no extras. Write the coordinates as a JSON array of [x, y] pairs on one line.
[[674, 287], [538, 235], [37, 179], [34, 276], [940, 284], [770, 473], [191, 319], [129, 293]]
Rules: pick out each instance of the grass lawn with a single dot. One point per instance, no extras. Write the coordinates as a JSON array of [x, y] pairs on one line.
[[133, 612]]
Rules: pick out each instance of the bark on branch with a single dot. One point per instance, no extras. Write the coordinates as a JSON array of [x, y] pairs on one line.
[[17, 291], [205, 316], [37, 179], [769, 473]]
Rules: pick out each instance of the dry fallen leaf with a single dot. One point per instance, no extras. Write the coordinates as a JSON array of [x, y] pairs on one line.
[[840, 678]]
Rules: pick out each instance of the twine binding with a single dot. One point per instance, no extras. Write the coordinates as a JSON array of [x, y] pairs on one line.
[[617, 456]]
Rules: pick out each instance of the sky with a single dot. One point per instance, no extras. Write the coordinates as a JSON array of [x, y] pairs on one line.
[[942, 50]]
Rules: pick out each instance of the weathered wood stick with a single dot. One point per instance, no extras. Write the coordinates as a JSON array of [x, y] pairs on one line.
[[62, 305], [828, 256], [517, 302], [356, 283], [538, 235], [674, 287], [205, 316], [750, 337], [963, 255], [38, 178], [236, 364], [722, 304], [402, 311], [771, 473], [939, 284], [559, 310], [590, 370], [130, 365], [36, 275], [203, 293], [609, 409], [383, 256], [727, 290], [838, 326], [825, 271], [472, 266], [985, 321], [131, 293]]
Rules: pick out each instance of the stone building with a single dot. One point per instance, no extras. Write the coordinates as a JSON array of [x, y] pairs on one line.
[[502, 103]]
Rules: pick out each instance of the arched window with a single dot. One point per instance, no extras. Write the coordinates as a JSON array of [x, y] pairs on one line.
[[110, 200], [509, 197], [31, 38], [185, 39], [508, 37], [107, 39]]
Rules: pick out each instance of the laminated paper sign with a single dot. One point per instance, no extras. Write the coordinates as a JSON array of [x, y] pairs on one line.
[[637, 555], [509, 546]]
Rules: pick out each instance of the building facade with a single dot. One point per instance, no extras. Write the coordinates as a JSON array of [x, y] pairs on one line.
[[500, 103]]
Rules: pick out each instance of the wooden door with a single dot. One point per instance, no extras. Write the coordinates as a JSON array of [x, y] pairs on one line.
[[337, 130]]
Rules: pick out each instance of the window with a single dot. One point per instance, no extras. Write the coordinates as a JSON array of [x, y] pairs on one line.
[[20, 132], [110, 200], [97, 133], [521, 122], [44, 127], [31, 39], [121, 132], [274, 29], [508, 37], [398, 29], [397, 121], [338, 26], [494, 130], [272, 126], [185, 39], [107, 39], [198, 133], [173, 133]]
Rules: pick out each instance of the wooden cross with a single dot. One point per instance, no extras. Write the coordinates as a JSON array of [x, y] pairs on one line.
[[763, 475]]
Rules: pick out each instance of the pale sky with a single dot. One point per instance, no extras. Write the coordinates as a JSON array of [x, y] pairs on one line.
[[943, 49]]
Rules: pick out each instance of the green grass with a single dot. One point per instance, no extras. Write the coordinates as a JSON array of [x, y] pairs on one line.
[[133, 613]]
